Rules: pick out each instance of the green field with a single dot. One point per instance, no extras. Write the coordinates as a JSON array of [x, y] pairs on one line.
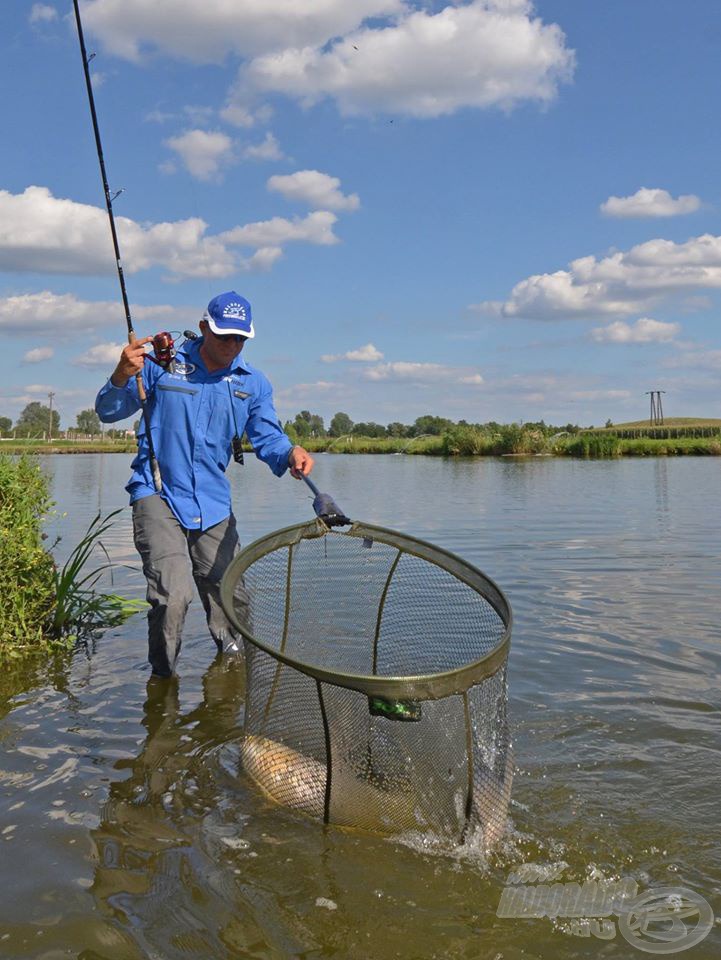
[[673, 428], [668, 422]]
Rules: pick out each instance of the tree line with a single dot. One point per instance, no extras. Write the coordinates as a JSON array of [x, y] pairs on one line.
[[307, 424], [38, 420]]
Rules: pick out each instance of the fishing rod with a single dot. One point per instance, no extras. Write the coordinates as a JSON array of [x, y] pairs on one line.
[[155, 469]]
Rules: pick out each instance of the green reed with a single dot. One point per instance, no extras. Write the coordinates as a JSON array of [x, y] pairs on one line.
[[79, 610], [44, 607], [596, 445], [507, 439]]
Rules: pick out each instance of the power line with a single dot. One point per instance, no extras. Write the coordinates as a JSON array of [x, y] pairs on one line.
[[656, 417], [50, 416]]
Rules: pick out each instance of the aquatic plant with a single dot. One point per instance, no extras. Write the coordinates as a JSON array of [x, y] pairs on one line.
[[43, 607], [594, 445], [26, 568], [512, 438], [78, 610], [467, 442]]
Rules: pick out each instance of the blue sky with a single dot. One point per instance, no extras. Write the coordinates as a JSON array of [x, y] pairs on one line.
[[483, 210]]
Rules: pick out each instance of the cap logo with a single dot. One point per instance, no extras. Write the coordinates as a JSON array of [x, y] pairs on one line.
[[234, 311]]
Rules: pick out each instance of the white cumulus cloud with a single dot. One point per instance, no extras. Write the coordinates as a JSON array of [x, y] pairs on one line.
[[35, 390], [267, 149], [38, 354], [369, 55], [241, 111], [38, 388], [45, 234], [40, 233], [409, 371], [486, 53], [203, 152], [316, 228], [648, 202], [620, 284], [644, 330], [237, 115], [317, 189], [56, 314], [365, 354], [205, 31], [62, 315], [100, 355], [264, 258]]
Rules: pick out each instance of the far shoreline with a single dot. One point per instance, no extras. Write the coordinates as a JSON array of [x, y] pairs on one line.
[[584, 446]]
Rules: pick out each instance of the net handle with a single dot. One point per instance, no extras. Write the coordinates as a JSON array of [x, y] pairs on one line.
[[326, 508]]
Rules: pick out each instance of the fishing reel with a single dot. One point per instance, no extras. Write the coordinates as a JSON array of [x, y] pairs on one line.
[[164, 350]]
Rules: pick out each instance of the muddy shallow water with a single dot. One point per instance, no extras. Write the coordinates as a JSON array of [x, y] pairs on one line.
[[126, 830]]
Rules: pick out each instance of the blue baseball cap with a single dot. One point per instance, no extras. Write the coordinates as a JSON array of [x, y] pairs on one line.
[[230, 313]]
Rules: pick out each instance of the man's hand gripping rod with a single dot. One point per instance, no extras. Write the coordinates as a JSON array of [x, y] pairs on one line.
[[109, 206], [326, 508]]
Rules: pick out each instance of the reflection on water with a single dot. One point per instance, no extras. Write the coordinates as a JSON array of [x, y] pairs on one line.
[[146, 838], [126, 830]]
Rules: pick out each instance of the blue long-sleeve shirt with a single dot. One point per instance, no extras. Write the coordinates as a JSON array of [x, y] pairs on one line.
[[194, 416]]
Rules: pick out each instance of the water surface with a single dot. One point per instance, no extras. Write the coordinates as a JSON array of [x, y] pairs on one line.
[[125, 831]]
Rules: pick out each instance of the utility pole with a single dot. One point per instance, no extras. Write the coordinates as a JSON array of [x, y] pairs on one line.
[[656, 418], [50, 417]]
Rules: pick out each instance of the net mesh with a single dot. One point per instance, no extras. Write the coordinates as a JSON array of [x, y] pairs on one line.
[[377, 692]]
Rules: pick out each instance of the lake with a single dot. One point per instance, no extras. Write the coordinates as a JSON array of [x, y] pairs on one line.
[[127, 833]]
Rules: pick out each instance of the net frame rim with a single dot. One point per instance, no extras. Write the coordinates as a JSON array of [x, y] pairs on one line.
[[429, 686]]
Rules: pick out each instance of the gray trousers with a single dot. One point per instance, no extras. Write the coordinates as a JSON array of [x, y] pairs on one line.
[[172, 558]]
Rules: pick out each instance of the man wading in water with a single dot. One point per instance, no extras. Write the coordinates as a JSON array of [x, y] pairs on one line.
[[196, 412]]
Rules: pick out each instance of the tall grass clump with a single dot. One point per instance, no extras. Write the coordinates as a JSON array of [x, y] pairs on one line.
[[26, 568], [512, 438], [594, 445], [516, 439], [78, 610], [45, 607], [466, 441]]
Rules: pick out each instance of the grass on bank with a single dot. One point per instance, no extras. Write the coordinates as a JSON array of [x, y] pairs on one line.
[[45, 607], [517, 440], [690, 437], [602, 445], [35, 446], [459, 441]]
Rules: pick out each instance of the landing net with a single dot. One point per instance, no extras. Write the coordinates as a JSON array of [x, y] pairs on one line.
[[376, 680]]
